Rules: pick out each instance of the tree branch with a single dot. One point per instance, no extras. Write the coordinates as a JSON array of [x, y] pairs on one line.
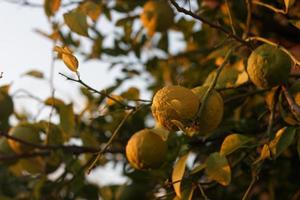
[[211, 24]]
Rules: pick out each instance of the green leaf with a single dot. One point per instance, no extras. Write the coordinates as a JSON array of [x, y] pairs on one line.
[[233, 142], [178, 173], [218, 169], [77, 22], [295, 23], [198, 168], [55, 102], [35, 74], [188, 193], [283, 138], [67, 119], [91, 9]]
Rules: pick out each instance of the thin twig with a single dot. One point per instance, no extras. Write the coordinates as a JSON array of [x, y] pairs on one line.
[[212, 85], [271, 7], [211, 24], [249, 18], [245, 95], [272, 112], [246, 194], [295, 109], [202, 192], [230, 17], [103, 93], [100, 153], [66, 148], [257, 38]]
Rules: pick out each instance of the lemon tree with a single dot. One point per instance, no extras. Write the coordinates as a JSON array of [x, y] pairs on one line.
[[205, 105]]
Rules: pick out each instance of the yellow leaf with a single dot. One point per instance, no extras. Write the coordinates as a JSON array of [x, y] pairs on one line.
[[91, 9], [178, 173], [264, 154], [51, 7], [69, 59], [77, 22], [218, 169]]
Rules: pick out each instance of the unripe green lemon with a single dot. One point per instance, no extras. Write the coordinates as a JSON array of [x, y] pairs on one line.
[[26, 132], [6, 105], [157, 16], [146, 150], [212, 113], [268, 66], [174, 103]]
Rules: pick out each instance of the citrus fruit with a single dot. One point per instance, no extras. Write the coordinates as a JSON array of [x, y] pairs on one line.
[[145, 150], [26, 132], [212, 112], [157, 16], [268, 66], [174, 103]]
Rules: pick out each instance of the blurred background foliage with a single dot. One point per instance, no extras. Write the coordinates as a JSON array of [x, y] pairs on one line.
[[262, 155]]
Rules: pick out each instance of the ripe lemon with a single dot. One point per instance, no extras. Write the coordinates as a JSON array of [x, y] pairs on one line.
[[174, 103], [26, 132], [6, 105], [268, 66], [212, 113], [157, 16], [146, 150]]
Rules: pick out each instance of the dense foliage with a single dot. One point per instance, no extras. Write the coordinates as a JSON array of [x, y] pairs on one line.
[[252, 154]]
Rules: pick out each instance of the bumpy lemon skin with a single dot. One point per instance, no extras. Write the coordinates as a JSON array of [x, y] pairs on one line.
[[146, 150], [212, 113], [174, 103], [157, 16], [26, 132], [6, 105], [268, 66]]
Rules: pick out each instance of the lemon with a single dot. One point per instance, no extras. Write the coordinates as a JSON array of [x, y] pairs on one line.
[[26, 132], [212, 113], [146, 150], [6, 105], [157, 16], [268, 66], [174, 103]]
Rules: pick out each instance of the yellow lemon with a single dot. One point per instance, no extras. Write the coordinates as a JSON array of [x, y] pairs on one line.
[[174, 103], [268, 66], [145, 150], [212, 113]]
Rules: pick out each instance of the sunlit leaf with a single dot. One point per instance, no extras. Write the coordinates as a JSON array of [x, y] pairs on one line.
[[51, 7], [264, 154], [288, 4], [283, 139], [67, 56], [77, 22], [218, 169], [55, 102], [233, 142], [91, 9], [178, 172], [70, 61], [296, 23]]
